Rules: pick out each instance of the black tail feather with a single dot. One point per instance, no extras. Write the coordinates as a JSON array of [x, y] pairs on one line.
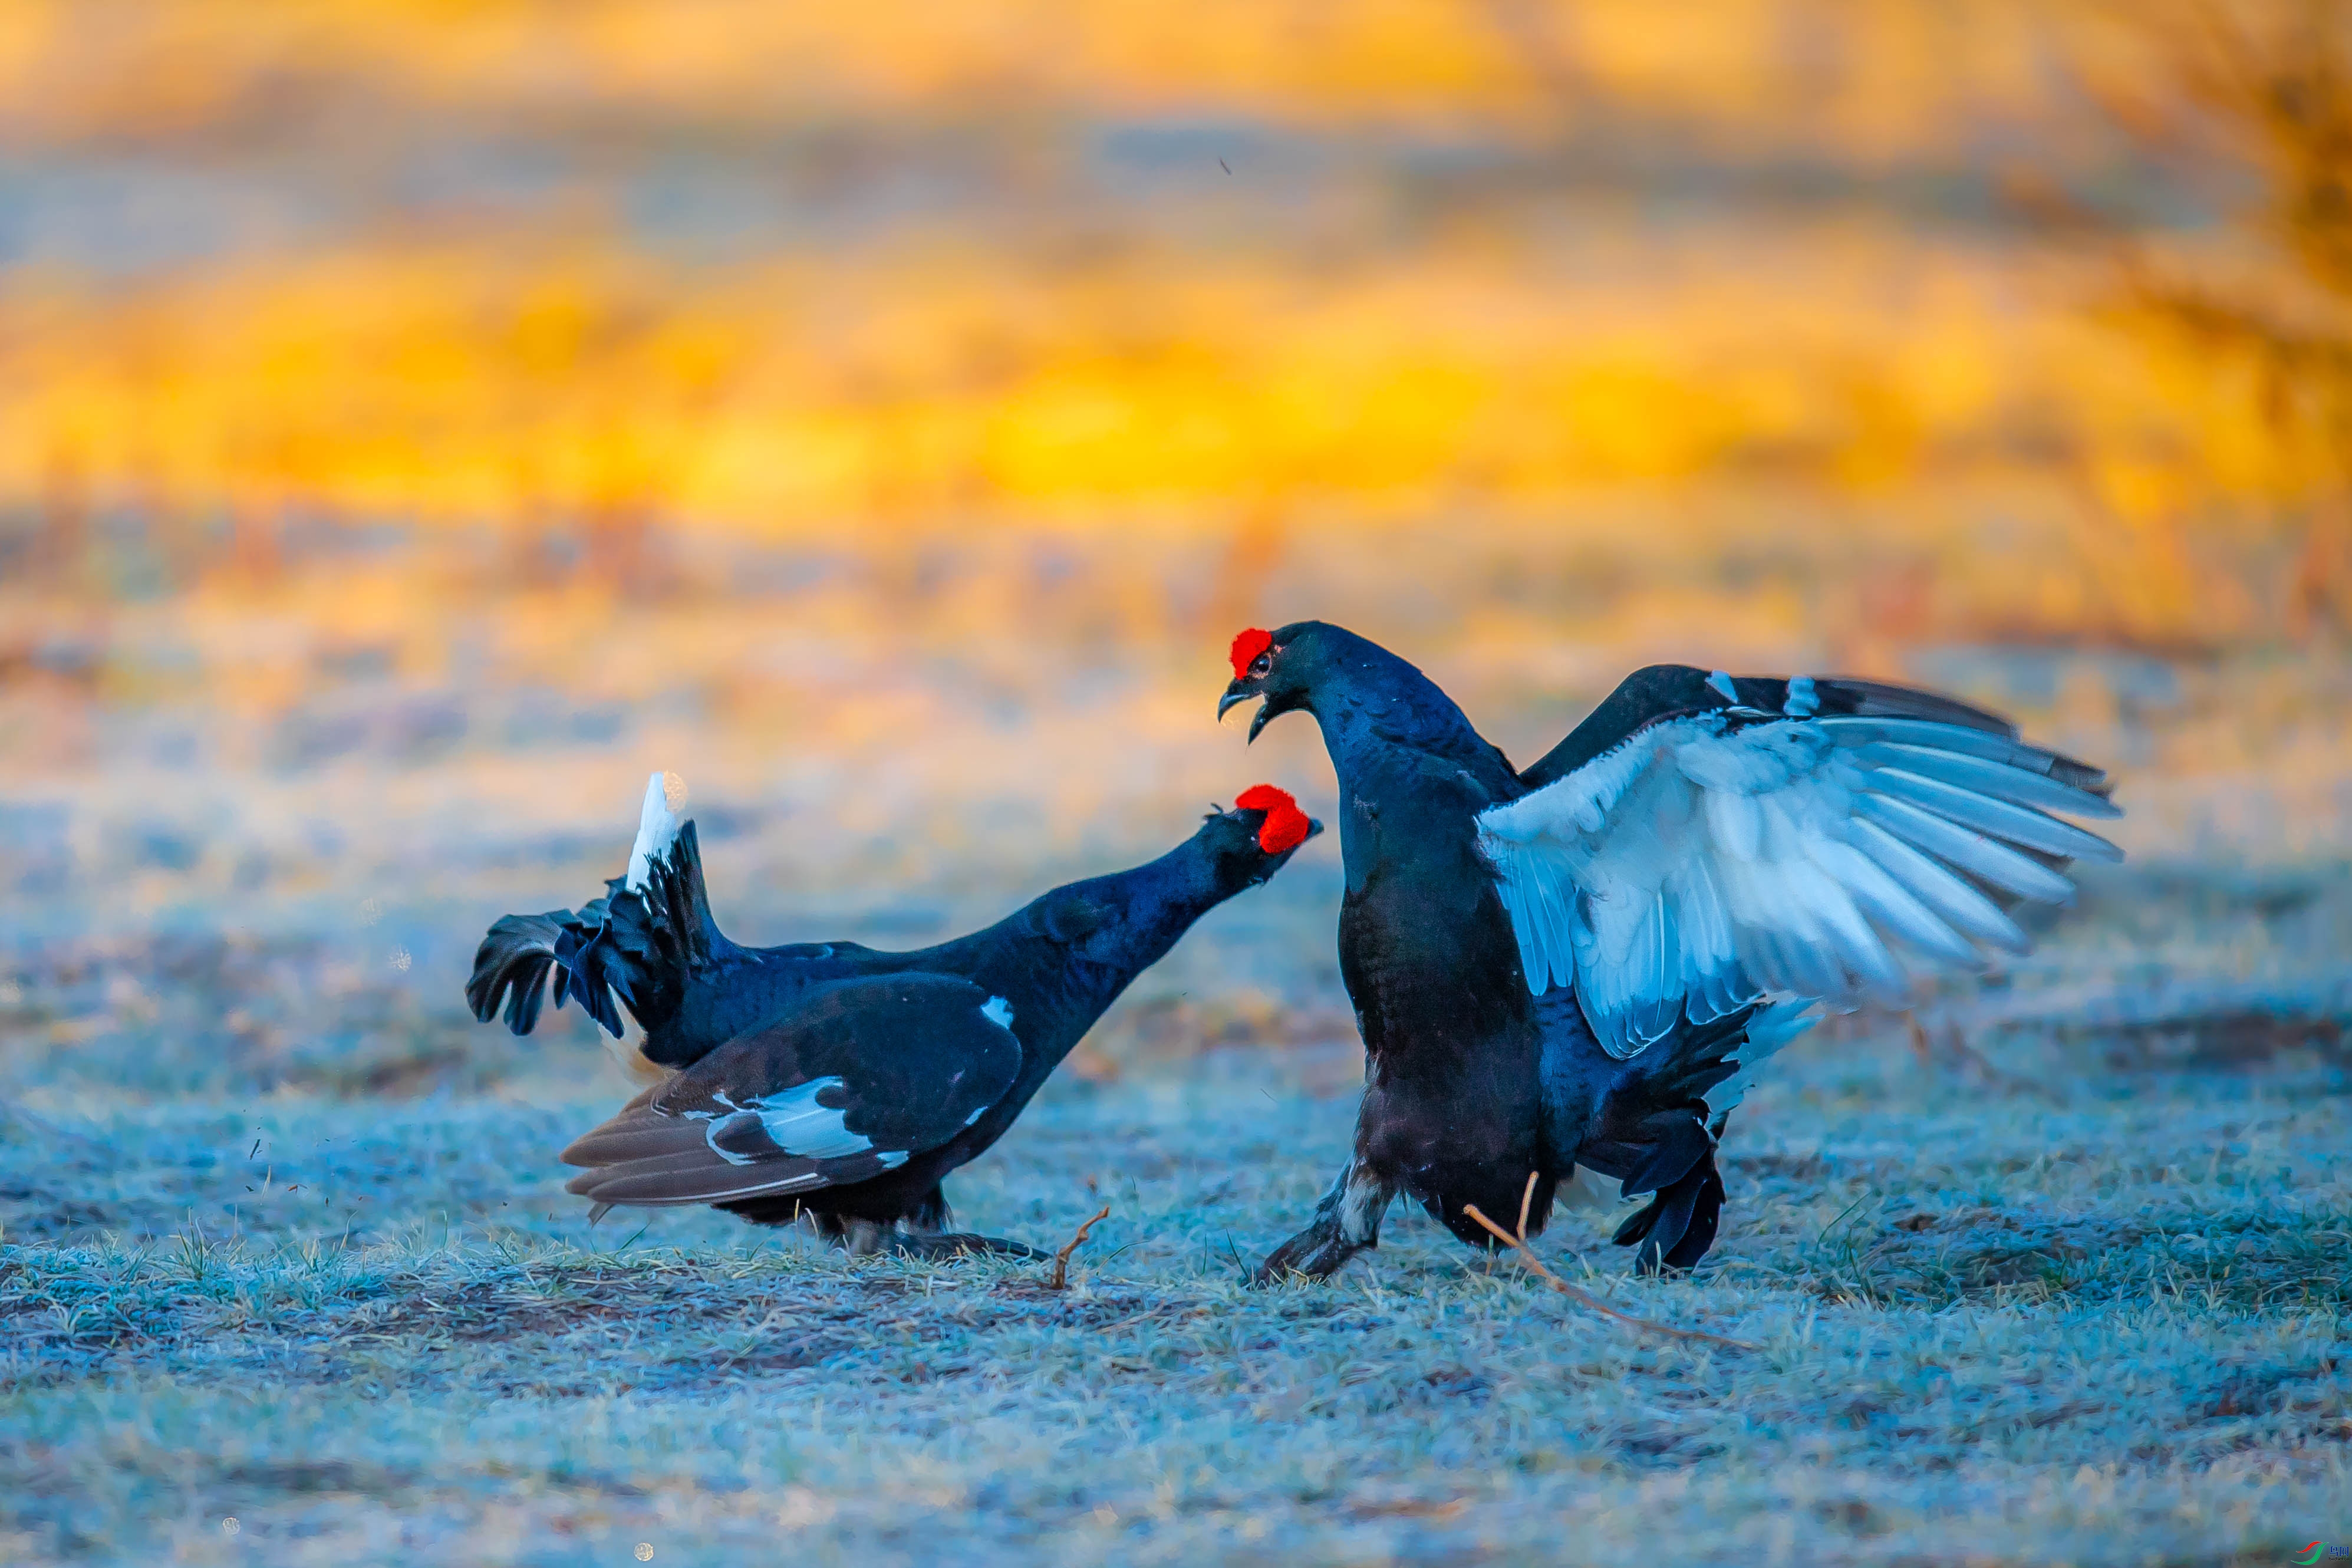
[[1668, 1137], [1676, 1141], [632, 948], [512, 963], [1675, 1229], [1706, 1214], [1697, 1059], [642, 944]]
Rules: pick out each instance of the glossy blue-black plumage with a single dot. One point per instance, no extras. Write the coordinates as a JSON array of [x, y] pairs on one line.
[[1474, 1084], [1056, 962]]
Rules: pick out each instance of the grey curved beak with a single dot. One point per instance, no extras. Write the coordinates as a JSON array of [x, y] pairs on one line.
[[1234, 693]]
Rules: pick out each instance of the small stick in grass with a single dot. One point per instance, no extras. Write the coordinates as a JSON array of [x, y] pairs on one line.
[[1060, 1279], [1519, 1244]]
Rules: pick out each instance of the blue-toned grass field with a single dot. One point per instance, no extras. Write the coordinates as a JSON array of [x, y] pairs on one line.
[[2062, 1276]]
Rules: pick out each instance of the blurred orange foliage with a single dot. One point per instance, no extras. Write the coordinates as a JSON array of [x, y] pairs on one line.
[[791, 394], [1497, 352]]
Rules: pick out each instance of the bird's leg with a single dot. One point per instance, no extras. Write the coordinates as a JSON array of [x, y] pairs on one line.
[[1346, 1222], [861, 1238], [932, 1214]]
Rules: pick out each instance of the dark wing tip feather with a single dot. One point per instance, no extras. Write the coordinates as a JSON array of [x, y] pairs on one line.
[[2069, 770], [647, 1157], [1881, 700], [693, 1173], [636, 1131]]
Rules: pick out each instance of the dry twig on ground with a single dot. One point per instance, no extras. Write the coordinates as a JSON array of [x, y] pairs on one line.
[[1060, 1277], [1519, 1244]]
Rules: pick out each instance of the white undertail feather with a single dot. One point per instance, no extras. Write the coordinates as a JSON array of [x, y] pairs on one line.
[[656, 827], [1700, 866], [1588, 1189]]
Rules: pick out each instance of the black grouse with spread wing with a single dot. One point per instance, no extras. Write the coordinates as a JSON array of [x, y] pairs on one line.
[[1582, 963], [828, 1082]]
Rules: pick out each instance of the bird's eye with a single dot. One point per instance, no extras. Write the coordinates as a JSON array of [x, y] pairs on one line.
[[1261, 664]]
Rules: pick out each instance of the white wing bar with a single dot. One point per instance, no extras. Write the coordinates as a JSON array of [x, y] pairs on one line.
[[1702, 864]]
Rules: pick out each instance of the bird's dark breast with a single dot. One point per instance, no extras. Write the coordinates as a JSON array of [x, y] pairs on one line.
[[1452, 1104]]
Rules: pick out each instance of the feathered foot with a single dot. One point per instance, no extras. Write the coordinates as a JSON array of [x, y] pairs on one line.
[[943, 1245], [1347, 1222]]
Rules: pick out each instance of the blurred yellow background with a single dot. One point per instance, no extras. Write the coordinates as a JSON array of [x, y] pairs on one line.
[[886, 412]]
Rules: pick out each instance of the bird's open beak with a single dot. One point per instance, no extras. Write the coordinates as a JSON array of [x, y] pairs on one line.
[[1237, 693]]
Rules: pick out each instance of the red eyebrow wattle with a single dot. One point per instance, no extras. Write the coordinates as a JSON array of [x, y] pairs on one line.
[[1285, 826], [1247, 646]]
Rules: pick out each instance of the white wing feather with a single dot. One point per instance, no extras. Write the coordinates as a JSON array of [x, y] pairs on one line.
[[1702, 865]]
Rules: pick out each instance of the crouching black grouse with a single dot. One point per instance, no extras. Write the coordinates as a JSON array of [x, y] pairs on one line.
[[1583, 962], [829, 1082]]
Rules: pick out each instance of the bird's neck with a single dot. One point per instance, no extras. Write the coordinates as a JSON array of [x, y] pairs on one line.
[[1385, 722], [1149, 908], [1070, 977], [1413, 771]]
